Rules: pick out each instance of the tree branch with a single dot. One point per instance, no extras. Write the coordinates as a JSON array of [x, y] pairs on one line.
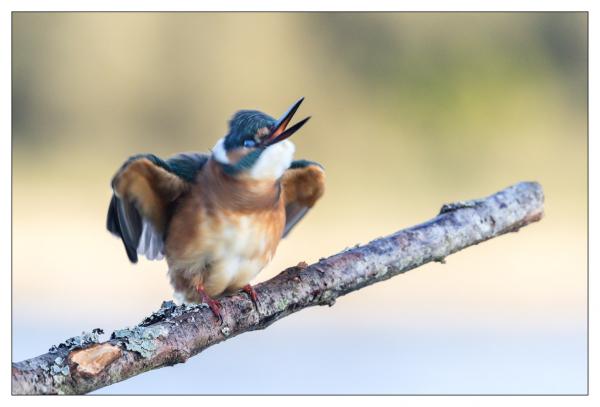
[[175, 333]]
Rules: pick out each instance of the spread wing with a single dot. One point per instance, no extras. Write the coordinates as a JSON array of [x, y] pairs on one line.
[[143, 190], [303, 184]]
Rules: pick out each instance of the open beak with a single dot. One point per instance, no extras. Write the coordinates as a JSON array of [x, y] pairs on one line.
[[279, 132]]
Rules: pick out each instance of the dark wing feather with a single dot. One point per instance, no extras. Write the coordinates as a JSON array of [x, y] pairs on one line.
[[125, 220], [294, 212], [112, 222], [303, 185]]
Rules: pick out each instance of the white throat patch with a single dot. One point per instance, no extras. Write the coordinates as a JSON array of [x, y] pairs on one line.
[[273, 162], [219, 152]]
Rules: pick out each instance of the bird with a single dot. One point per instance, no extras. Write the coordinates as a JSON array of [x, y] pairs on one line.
[[217, 217]]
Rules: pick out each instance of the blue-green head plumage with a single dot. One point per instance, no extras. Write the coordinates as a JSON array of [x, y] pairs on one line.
[[244, 126], [250, 134], [244, 129]]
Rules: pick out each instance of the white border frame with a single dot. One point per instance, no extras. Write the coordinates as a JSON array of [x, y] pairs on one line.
[[294, 5]]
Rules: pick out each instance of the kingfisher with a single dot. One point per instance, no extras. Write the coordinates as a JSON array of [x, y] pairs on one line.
[[216, 217]]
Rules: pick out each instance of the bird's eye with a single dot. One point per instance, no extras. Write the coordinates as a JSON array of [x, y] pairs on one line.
[[249, 143]]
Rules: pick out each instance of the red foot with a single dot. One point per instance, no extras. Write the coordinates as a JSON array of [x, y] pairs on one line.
[[248, 289], [215, 306]]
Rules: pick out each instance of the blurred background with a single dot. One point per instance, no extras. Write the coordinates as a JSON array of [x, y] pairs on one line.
[[410, 111]]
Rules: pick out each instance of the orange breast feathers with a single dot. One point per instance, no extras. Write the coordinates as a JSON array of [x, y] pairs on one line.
[[222, 235], [198, 228]]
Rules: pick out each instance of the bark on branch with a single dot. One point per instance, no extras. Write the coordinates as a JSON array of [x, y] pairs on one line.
[[175, 333]]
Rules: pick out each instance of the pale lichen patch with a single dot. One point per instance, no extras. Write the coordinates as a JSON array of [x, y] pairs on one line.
[[81, 341], [282, 304], [58, 367], [169, 311], [58, 370], [141, 339]]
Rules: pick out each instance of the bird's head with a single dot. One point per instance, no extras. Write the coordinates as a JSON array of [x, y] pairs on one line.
[[257, 145]]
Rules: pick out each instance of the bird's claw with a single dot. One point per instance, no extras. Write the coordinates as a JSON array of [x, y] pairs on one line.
[[248, 289], [214, 305]]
